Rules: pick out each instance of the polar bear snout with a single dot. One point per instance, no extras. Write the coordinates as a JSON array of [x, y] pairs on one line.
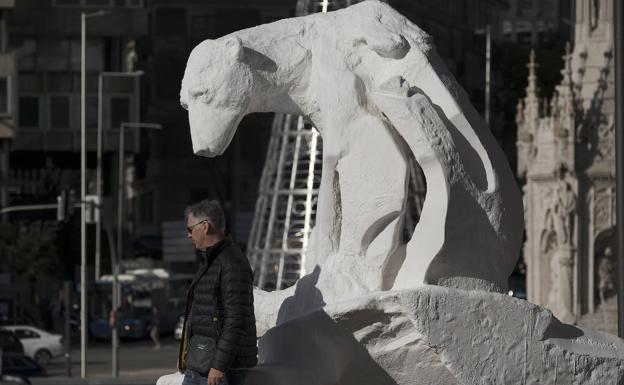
[[212, 129]]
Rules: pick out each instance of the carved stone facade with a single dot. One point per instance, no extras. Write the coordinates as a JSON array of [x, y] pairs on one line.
[[566, 159]]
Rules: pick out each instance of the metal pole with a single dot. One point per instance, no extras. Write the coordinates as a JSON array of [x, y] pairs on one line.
[[98, 185], [619, 155], [115, 307], [4, 176], [118, 254], [120, 194], [137, 99], [488, 47], [67, 341], [83, 212]]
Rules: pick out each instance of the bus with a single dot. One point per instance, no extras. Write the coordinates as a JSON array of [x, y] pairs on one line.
[[140, 291]]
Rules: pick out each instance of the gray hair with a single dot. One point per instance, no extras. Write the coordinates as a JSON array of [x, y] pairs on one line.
[[209, 210]]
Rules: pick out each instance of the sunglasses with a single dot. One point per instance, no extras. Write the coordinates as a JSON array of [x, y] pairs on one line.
[[189, 229]]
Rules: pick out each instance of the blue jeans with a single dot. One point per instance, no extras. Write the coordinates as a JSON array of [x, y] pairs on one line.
[[232, 377]]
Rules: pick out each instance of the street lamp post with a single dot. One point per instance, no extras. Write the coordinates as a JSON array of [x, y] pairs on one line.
[[98, 184], [83, 193], [118, 254]]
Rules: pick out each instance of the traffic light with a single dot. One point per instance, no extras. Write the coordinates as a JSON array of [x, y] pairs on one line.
[[61, 206], [92, 208], [65, 205]]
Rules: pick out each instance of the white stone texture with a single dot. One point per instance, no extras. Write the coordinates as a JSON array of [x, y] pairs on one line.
[[434, 335], [375, 88]]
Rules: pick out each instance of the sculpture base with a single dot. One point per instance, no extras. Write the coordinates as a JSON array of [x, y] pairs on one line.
[[435, 335]]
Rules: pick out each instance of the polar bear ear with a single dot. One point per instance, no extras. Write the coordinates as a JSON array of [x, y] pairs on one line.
[[234, 48]]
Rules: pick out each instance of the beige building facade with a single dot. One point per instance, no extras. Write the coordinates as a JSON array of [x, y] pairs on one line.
[[566, 159]]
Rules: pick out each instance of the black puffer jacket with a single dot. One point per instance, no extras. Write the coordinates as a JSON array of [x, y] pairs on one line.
[[222, 308]]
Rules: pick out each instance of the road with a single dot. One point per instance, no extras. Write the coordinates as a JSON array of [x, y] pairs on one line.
[[138, 360]]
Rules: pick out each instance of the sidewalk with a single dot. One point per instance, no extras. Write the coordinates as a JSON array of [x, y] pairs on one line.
[[95, 381], [139, 364]]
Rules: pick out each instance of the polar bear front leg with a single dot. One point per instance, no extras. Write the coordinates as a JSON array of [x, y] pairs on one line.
[[373, 179], [325, 236]]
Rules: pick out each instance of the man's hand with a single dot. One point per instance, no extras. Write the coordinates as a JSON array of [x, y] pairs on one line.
[[215, 376]]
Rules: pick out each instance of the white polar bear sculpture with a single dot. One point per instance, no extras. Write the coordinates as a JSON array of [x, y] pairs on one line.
[[378, 93], [366, 312]]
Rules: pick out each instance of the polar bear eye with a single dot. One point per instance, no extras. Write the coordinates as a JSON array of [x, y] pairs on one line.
[[202, 94], [206, 96]]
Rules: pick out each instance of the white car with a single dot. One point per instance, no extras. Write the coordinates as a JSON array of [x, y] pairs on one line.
[[38, 344]]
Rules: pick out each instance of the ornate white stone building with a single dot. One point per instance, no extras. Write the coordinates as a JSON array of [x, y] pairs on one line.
[[566, 158]]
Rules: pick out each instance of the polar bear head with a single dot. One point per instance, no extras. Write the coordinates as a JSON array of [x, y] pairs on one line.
[[216, 91]]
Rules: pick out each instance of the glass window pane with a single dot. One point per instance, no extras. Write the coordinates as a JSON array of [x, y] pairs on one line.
[[25, 52], [29, 111], [4, 95], [170, 21], [200, 27], [147, 207], [91, 105], [94, 51], [52, 54], [59, 112], [120, 111]]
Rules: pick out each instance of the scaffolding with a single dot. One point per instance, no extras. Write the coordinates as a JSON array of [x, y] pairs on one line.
[[286, 206]]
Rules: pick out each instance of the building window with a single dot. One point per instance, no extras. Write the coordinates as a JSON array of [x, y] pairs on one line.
[[146, 205], [91, 106], [27, 48], [52, 54], [230, 20], [59, 111], [5, 95], [200, 27], [94, 51], [29, 111], [120, 110], [170, 21]]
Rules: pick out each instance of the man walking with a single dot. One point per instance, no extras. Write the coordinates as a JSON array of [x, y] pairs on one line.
[[219, 333]]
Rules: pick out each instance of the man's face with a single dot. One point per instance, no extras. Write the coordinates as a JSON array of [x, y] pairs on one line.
[[197, 231]]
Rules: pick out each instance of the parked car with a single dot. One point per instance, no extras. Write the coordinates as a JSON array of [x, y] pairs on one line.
[[10, 343], [177, 332], [7, 379], [20, 365], [38, 344]]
